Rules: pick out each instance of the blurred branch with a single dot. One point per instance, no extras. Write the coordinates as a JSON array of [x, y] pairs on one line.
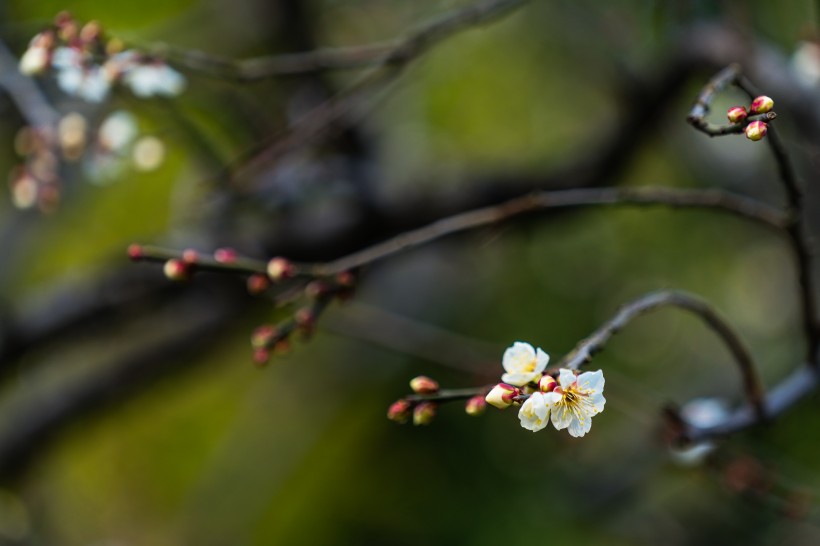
[[320, 119], [586, 349], [30, 101], [394, 54]]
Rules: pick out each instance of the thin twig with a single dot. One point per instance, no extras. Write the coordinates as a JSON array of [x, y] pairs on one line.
[[708, 199], [587, 348], [321, 118], [259, 68]]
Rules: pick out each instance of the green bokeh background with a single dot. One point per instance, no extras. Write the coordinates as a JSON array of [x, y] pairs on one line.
[[300, 452]]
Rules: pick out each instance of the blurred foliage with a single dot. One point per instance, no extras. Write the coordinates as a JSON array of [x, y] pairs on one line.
[[300, 452]]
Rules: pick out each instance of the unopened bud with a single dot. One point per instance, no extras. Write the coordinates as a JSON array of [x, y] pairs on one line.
[[475, 406], [280, 269], [225, 255], [423, 385], [756, 130], [736, 114], [501, 396], [282, 347], [177, 270], [761, 105], [257, 284], [547, 383], [260, 357], [190, 256], [424, 413], [90, 32], [263, 335], [346, 279], [135, 251], [399, 411], [305, 318]]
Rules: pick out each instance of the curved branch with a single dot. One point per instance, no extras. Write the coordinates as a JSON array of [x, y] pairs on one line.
[[708, 199], [590, 346]]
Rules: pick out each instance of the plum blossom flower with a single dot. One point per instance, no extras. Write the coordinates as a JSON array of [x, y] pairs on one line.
[[88, 82], [155, 78], [523, 364], [576, 400], [535, 412]]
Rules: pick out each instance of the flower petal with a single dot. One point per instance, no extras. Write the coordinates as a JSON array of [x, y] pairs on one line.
[[561, 417], [597, 400], [518, 379], [518, 357], [541, 360], [566, 378], [576, 428], [593, 381]]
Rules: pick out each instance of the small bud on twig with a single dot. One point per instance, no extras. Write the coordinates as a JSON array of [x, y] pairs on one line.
[[177, 270], [501, 396], [261, 357], [399, 411], [547, 383], [280, 269], [761, 105], [257, 284], [756, 130], [736, 114], [135, 251], [475, 406], [424, 413], [424, 385], [225, 255], [263, 335]]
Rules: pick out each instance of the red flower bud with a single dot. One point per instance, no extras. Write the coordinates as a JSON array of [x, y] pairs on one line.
[[280, 269], [225, 255], [135, 251], [736, 114], [190, 256], [263, 336], [399, 411], [261, 357], [257, 284], [756, 130], [761, 105]]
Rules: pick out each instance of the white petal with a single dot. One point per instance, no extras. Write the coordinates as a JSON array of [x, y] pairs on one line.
[[518, 379], [70, 80], [552, 398], [541, 360], [566, 378], [517, 357], [597, 400], [561, 417], [576, 428], [66, 57], [593, 381], [533, 414]]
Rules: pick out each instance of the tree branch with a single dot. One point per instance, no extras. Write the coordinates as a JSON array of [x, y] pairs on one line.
[[593, 344]]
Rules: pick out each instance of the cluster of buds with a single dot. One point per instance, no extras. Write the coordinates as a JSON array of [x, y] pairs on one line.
[[422, 411], [569, 402], [86, 64], [756, 129]]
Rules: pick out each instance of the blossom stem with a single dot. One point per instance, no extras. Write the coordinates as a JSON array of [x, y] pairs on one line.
[[593, 344]]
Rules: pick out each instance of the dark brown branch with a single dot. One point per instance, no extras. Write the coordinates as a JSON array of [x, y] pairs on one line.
[[259, 68], [320, 119], [586, 349], [708, 199]]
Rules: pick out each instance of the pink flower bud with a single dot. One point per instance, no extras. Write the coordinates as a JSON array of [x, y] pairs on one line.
[[190, 256], [260, 357], [761, 105], [756, 130], [346, 279], [423, 385], [263, 335], [257, 284], [424, 413], [305, 318], [547, 384], [177, 270], [475, 406], [135, 251], [501, 396], [399, 411], [280, 269], [736, 114], [225, 255]]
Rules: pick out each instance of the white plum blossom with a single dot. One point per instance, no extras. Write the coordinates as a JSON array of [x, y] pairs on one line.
[[523, 364], [535, 412], [88, 82], [34, 61], [575, 400], [156, 78]]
